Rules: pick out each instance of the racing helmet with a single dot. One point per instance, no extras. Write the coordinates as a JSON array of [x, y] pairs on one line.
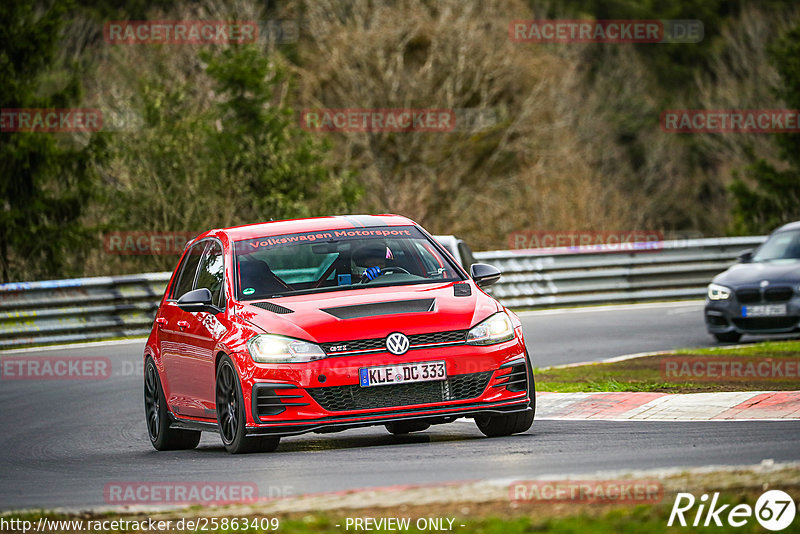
[[370, 254]]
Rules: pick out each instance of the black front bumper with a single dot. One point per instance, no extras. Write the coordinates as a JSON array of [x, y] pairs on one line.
[[725, 316]]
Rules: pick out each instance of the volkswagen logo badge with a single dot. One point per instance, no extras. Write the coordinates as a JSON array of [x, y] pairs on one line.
[[397, 343]]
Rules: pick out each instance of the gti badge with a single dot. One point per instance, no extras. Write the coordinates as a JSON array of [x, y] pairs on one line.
[[397, 343]]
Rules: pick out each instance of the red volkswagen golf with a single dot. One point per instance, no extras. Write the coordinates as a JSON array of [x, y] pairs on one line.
[[325, 324]]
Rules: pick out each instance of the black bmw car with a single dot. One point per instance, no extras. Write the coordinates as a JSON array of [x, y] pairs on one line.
[[761, 293]]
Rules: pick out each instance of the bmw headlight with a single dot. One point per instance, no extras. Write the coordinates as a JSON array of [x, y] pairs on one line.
[[269, 348], [496, 329], [718, 292]]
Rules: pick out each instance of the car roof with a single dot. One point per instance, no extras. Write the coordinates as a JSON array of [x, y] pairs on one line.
[[311, 224], [790, 226]]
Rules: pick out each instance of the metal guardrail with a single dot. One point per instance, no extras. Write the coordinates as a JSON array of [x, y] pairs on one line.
[[79, 309], [85, 309], [676, 270]]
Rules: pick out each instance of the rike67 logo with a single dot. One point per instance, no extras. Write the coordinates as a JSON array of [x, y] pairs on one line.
[[774, 510]]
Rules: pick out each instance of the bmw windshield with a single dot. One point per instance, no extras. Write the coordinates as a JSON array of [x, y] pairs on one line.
[[781, 247], [333, 260]]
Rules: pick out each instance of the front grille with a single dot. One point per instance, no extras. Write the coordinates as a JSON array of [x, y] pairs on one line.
[[515, 378], [438, 337], [766, 323], [358, 344], [355, 397], [379, 344], [778, 294], [747, 296]]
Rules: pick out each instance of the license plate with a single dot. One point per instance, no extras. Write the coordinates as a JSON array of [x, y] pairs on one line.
[[400, 374], [764, 310]]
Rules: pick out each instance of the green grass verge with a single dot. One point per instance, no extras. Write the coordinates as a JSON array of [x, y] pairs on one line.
[[454, 506], [648, 373]]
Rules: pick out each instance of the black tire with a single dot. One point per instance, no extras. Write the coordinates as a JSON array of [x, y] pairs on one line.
[[231, 416], [161, 435], [406, 427], [493, 426], [728, 337]]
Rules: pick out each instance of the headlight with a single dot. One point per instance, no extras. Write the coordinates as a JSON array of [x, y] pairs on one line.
[[495, 329], [268, 348], [718, 292]]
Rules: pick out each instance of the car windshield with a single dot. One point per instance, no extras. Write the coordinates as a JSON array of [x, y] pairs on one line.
[[781, 246], [334, 260]]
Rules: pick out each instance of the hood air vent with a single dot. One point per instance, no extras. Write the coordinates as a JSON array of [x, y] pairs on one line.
[[382, 308], [269, 306]]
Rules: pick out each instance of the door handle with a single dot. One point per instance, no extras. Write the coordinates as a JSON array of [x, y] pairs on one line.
[[161, 321], [183, 324]]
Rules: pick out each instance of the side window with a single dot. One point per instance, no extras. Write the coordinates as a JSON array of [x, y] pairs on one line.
[[430, 262], [188, 269], [211, 272]]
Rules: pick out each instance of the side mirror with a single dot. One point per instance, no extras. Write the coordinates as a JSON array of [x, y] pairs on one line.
[[198, 300], [483, 274], [746, 256]]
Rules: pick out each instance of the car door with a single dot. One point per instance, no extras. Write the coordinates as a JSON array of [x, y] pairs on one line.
[[173, 323], [202, 334]]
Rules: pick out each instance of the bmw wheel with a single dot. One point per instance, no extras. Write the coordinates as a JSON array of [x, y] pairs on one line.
[[728, 337], [161, 435]]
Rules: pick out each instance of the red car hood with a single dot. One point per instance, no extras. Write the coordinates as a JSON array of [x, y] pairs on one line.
[[372, 312]]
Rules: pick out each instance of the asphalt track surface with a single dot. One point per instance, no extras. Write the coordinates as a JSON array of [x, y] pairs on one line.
[[562, 336], [557, 337], [62, 442]]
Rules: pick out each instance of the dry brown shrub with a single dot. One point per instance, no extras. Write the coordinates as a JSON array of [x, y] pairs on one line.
[[531, 170]]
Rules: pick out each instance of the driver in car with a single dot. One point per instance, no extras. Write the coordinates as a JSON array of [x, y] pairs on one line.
[[369, 259]]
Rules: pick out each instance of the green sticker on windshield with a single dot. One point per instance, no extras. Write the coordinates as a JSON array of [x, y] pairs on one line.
[[248, 291]]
